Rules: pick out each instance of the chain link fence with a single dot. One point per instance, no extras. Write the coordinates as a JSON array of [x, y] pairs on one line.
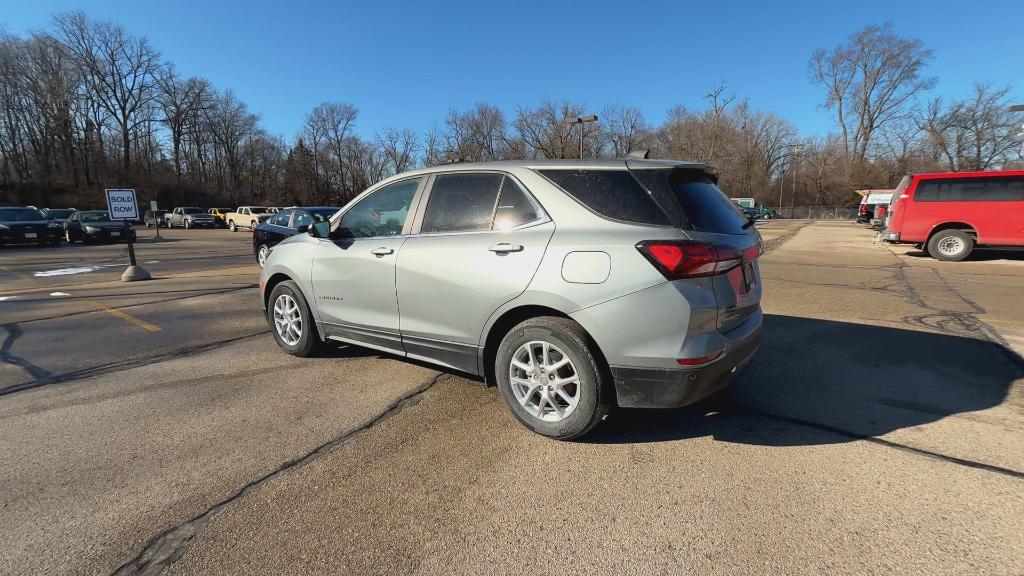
[[819, 212]]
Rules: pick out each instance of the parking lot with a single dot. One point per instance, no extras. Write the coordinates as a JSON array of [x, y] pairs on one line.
[[155, 427]]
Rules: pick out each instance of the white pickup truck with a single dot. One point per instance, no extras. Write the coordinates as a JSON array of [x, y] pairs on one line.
[[246, 217]]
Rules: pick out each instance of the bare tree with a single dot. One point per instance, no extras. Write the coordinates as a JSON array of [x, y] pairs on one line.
[[870, 80], [624, 130], [977, 133], [117, 66], [399, 147]]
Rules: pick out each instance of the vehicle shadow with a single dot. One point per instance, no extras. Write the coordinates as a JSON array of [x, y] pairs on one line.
[[823, 382], [980, 254]]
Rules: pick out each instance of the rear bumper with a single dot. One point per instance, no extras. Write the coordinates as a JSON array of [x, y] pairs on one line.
[[672, 388], [890, 236]]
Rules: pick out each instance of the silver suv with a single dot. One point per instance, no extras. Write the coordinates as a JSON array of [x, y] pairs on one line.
[[571, 285]]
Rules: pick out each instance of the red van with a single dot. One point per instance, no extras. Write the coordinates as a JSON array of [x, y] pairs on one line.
[[950, 213]]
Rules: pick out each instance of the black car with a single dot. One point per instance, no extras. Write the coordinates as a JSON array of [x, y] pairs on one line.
[[27, 225], [286, 223], [94, 226]]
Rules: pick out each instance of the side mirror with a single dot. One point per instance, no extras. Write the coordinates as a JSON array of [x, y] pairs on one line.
[[319, 229], [303, 228]]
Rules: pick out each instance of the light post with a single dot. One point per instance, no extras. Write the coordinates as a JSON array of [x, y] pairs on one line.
[[582, 120], [1019, 108], [793, 149]]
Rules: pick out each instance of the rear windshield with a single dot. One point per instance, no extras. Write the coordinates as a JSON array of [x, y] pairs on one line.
[[19, 214], [258, 210], [613, 194], [693, 200], [193, 211], [62, 214], [95, 217]]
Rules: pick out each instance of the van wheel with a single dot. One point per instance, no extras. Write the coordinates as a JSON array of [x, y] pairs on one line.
[[950, 245], [548, 372]]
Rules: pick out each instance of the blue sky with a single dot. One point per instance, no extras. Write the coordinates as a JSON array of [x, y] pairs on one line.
[[405, 64]]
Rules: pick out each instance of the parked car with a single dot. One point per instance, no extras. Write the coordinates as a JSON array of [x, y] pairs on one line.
[[247, 217], [949, 214], [154, 218], [285, 224], [190, 217], [94, 226], [58, 215], [27, 225], [273, 209], [219, 216], [571, 285]]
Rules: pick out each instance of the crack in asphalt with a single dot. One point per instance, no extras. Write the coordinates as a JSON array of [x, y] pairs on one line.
[[49, 378], [168, 546], [888, 443], [40, 376]]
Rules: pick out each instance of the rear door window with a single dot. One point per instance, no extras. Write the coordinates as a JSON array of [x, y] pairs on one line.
[[461, 203], [991, 189], [613, 194], [515, 206]]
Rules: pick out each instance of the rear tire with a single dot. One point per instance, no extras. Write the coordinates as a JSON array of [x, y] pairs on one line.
[[540, 402], [950, 245], [284, 321]]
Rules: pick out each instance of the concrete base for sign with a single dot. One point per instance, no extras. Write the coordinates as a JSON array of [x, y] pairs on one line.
[[133, 273]]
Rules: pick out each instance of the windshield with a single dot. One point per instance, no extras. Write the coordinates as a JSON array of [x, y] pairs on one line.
[[258, 210], [193, 211], [19, 214], [95, 217], [59, 214]]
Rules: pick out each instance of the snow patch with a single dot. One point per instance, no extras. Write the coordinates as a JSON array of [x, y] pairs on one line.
[[67, 271]]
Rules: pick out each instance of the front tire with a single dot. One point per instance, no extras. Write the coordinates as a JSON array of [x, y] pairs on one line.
[[950, 245], [261, 254], [291, 321], [549, 373], [188, 225], [232, 227]]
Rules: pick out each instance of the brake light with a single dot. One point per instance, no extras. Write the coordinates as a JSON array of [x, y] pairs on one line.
[[698, 361], [687, 259], [863, 208]]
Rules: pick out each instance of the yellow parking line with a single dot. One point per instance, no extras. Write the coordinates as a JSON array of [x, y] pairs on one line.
[[148, 327]]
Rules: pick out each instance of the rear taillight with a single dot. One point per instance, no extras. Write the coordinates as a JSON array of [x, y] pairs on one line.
[[863, 208], [686, 259]]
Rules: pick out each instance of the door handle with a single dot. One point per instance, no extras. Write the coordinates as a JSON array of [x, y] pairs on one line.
[[382, 251], [505, 248]]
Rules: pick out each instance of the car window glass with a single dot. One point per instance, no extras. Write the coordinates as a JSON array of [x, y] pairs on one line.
[[461, 203], [382, 213], [515, 206], [611, 193], [301, 219], [1000, 189], [280, 219]]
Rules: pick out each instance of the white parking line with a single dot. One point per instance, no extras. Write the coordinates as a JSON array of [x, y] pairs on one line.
[[67, 271]]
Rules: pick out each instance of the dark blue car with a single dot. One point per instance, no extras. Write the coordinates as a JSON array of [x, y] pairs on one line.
[[286, 223]]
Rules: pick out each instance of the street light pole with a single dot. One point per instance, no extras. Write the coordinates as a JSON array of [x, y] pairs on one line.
[[581, 120]]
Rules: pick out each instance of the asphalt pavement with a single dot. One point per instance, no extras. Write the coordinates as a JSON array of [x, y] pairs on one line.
[[156, 428]]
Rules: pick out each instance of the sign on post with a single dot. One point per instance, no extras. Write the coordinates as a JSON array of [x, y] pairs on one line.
[[121, 204]]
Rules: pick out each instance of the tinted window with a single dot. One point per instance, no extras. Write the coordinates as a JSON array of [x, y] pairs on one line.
[[321, 214], [694, 201], [515, 206], [382, 213], [970, 190], [461, 203], [16, 214], [61, 214], [281, 219], [611, 193], [302, 219]]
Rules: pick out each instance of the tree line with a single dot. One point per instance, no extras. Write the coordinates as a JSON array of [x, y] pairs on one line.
[[88, 105]]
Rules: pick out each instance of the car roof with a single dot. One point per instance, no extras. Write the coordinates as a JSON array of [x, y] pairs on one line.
[[970, 174], [563, 164]]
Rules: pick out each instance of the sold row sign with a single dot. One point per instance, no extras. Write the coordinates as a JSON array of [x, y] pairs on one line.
[[121, 204]]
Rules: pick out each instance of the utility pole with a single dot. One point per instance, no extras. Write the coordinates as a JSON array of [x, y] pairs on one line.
[[1019, 108]]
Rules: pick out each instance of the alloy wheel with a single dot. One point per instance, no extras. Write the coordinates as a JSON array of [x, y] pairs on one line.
[[261, 255], [544, 381], [288, 319]]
